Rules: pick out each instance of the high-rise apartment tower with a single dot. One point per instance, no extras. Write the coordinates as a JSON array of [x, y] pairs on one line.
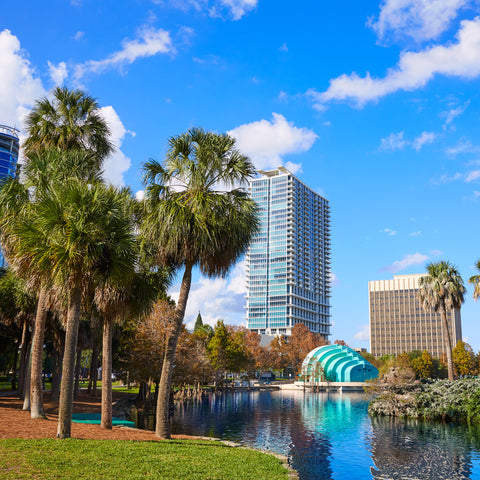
[[288, 262], [398, 322], [9, 147]]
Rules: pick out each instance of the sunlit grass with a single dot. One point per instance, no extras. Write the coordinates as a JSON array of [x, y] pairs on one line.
[[117, 460]]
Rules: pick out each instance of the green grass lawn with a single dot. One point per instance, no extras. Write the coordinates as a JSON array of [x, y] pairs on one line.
[[117, 460]]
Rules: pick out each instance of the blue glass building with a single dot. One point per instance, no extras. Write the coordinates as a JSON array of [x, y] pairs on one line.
[[288, 262], [9, 147]]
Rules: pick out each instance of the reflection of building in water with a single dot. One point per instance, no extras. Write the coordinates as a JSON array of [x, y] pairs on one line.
[[398, 323], [404, 450]]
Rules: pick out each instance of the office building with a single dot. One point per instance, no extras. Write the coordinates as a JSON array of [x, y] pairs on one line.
[[9, 147], [398, 322], [288, 262]]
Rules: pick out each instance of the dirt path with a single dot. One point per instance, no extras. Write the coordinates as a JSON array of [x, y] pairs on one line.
[[16, 423]]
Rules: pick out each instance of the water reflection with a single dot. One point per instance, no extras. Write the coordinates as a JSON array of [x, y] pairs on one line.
[[413, 449], [330, 436]]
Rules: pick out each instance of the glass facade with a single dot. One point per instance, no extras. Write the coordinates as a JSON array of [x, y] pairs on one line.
[[288, 263], [9, 148]]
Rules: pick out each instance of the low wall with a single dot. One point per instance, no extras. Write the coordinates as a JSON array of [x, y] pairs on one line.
[[326, 386]]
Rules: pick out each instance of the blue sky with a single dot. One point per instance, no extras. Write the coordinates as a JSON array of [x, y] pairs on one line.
[[374, 105]]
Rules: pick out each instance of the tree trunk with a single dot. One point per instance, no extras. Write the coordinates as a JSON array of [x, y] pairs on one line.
[[92, 383], [59, 341], [162, 429], [14, 369], [448, 341], [76, 387], [71, 337], [36, 387], [22, 371], [107, 373]]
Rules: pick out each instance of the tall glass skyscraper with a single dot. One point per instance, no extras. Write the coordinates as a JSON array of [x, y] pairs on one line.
[[288, 262], [9, 147]]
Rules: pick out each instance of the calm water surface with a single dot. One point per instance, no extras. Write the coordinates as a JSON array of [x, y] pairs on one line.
[[330, 436]]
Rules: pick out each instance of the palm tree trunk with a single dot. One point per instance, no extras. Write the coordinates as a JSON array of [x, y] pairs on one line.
[[448, 341], [92, 383], [36, 387], [76, 384], [22, 371], [71, 337], [26, 385], [59, 344], [107, 374], [162, 429]]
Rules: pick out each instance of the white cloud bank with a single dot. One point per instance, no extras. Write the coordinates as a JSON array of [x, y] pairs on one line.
[[396, 141], [19, 85], [149, 42], [417, 19], [363, 334], [236, 8], [216, 298], [405, 262], [116, 164], [239, 8], [267, 142], [414, 70]]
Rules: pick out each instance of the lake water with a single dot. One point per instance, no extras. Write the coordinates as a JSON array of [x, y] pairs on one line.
[[330, 436]]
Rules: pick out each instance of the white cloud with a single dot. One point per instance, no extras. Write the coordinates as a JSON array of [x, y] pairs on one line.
[[150, 42], [423, 139], [117, 163], [58, 73], [414, 70], [140, 195], [394, 141], [216, 298], [284, 48], [463, 146], [334, 280], [442, 180], [363, 334], [453, 113], [415, 234], [79, 35], [417, 19], [238, 8], [267, 142], [405, 262], [20, 86], [472, 176], [389, 232]]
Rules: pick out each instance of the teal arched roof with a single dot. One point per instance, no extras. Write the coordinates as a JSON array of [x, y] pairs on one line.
[[336, 363]]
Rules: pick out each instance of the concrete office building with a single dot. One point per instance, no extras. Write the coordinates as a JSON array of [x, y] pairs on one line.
[[398, 322], [9, 148], [288, 262]]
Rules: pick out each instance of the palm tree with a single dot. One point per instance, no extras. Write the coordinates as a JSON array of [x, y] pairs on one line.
[[74, 232], [196, 216], [442, 289], [40, 173], [475, 281], [132, 297], [71, 120]]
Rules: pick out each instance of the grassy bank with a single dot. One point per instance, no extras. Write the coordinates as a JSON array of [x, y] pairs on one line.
[[457, 401], [117, 460]]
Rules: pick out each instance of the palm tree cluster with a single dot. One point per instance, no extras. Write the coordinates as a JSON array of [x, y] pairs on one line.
[[90, 251], [442, 289]]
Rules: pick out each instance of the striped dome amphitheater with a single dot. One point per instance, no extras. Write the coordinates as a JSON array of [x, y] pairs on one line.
[[336, 363]]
